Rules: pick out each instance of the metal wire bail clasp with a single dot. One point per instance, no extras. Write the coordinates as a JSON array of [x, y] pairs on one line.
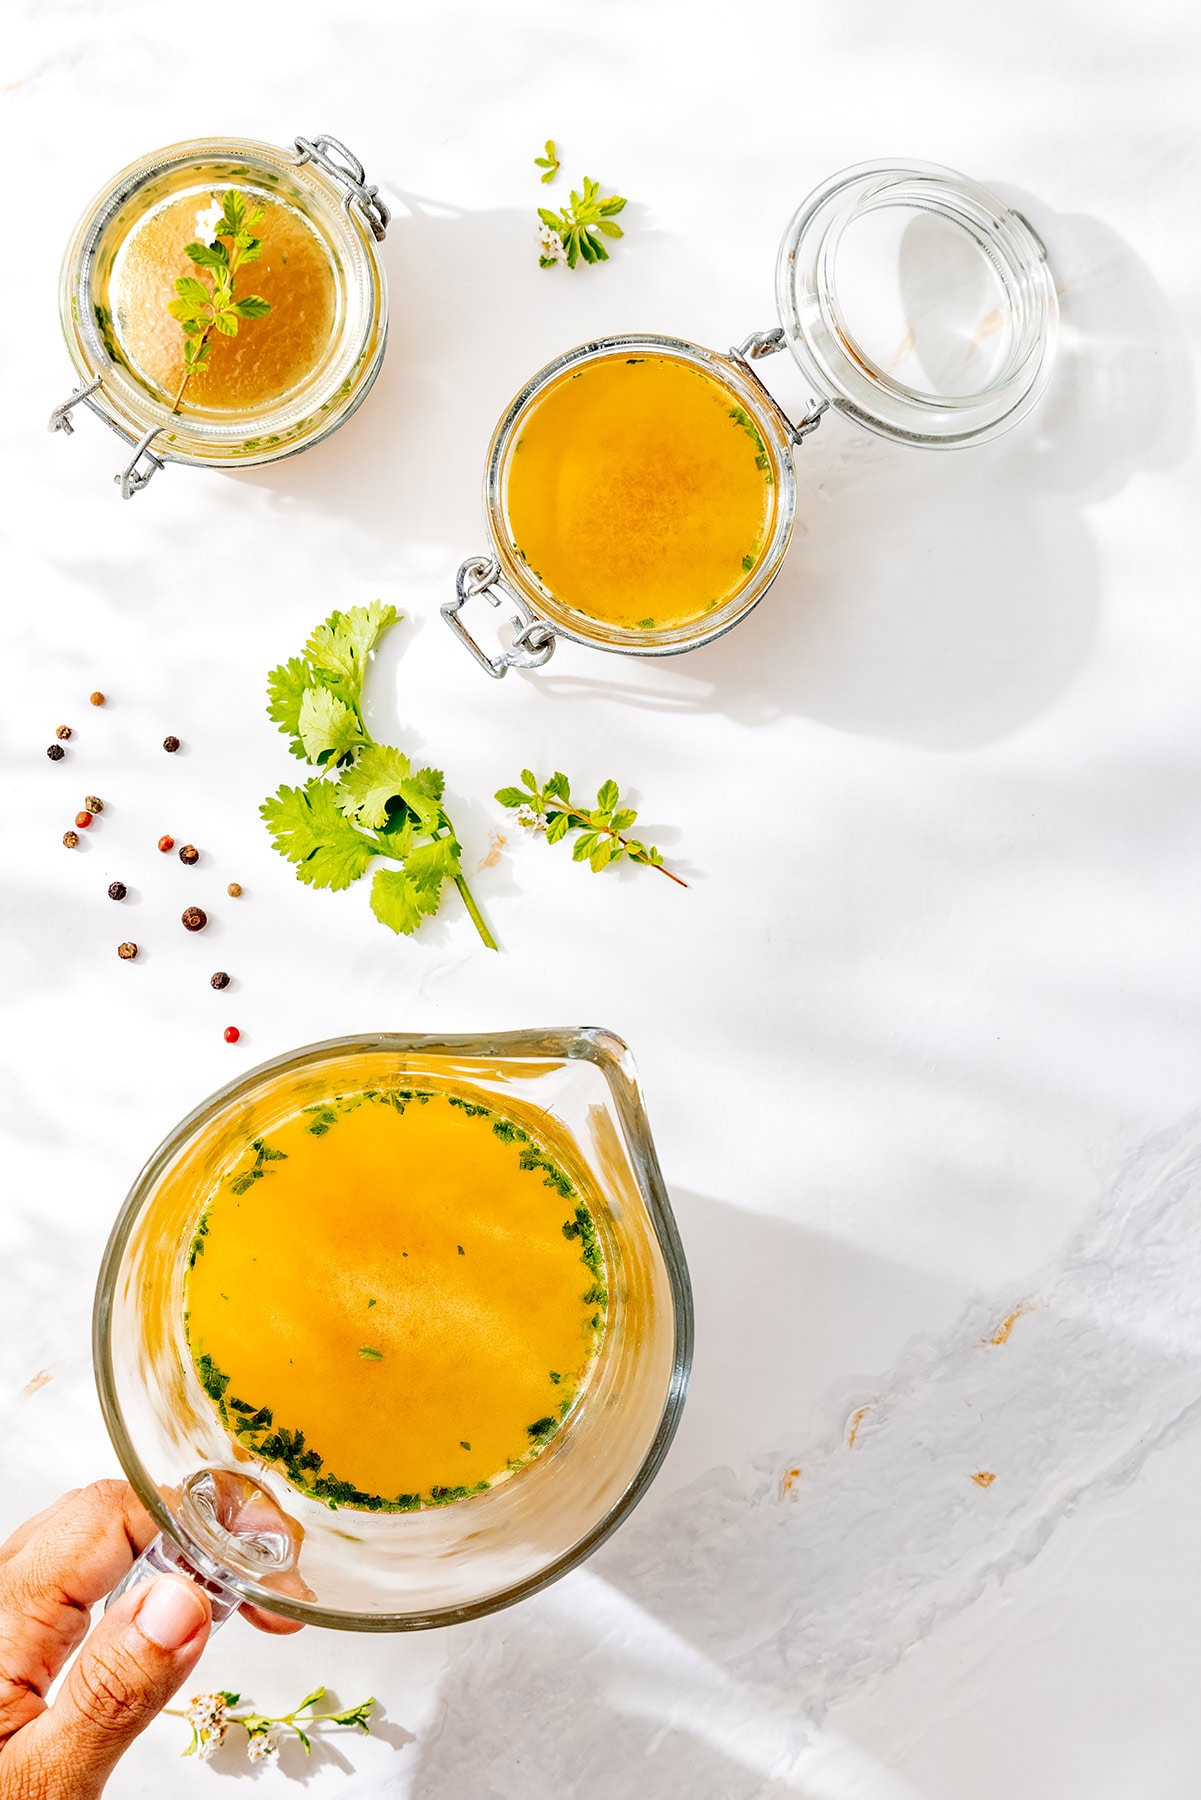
[[134, 475], [533, 643], [766, 343], [343, 167]]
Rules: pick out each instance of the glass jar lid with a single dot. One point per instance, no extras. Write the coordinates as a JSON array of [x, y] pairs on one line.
[[918, 303]]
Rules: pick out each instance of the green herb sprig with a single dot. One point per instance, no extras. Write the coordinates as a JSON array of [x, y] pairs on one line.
[[549, 162], [577, 230], [602, 828], [334, 827], [212, 1716], [204, 309]]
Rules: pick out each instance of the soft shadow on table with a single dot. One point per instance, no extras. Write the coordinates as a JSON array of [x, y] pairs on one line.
[[945, 598], [707, 1641], [471, 318]]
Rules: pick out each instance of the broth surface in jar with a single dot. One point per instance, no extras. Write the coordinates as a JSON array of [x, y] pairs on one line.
[[270, 357], [396, 1296], [639, 492]]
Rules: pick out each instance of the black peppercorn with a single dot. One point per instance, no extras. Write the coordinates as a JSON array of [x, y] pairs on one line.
[[55, 752], [220, 979], [117, 890], [127, 952], [170, 743], [189, 854], [193, 919]]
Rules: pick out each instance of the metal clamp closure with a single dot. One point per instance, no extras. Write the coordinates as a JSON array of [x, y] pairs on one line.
[[343, 167], [533, 644], [766, 343], [134, 475]]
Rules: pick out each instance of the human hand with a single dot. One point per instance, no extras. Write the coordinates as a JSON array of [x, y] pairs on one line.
[[53, 1569]]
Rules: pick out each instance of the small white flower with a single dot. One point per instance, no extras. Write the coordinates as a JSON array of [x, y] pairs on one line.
[[206, 221], [211, 1742], [263, 1747], [551, 245], [533, 821], [208, 1713]]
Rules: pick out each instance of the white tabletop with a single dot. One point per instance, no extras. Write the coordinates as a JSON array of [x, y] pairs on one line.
[[933, 986]]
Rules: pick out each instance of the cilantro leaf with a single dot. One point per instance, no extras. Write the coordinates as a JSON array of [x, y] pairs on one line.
[[286, 688], [400, 902], [434, 863], [377, 777], [328, 728], [342, 645], [308, 829]]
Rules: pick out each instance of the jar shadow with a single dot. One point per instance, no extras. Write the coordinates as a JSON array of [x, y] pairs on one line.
[[947, 600]]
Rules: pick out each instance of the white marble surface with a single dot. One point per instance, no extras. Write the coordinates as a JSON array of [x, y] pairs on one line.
[[935, 979]]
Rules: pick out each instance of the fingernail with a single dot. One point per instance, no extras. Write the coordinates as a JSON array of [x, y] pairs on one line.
[[172, 1612]]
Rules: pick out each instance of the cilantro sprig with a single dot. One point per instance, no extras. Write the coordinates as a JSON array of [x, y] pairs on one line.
[[205, 304], [368, 801], [549, 162], [603, 828], [577, 230]]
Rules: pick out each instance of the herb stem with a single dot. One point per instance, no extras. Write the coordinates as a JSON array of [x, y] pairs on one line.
[[190, 368], [582, 822], [477, 917], [387, 849]]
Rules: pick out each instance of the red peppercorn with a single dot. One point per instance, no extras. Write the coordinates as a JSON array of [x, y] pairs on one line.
[[165, 844], [83, 820], [232, 1034]]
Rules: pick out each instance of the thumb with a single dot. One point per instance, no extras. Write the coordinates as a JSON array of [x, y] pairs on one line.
[[127, 1670]]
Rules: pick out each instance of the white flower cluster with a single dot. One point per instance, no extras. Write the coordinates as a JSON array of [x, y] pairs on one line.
[[551, 246], [206, 221], [263, 1746], [533, 821], [209, 1715]]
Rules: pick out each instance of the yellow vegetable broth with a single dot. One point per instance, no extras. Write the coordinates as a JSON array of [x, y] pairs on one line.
[[270, 356], [640, 492], [409, 1282]]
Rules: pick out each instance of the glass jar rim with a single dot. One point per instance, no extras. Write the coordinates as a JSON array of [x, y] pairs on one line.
[[611, 1057], [813, 313], [567, 621], [270, 431]]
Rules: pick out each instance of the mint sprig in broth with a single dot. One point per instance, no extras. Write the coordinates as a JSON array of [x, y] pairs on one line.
[[205, 303]]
